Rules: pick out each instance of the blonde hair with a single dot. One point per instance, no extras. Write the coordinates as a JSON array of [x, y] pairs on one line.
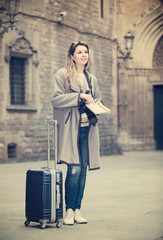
[[72, 76]]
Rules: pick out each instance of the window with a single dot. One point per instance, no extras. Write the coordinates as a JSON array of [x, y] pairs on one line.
[[17, 81], [22, 73], [12, 150], [102, 8]]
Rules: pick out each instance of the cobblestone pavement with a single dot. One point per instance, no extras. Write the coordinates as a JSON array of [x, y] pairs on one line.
[[123, 201]]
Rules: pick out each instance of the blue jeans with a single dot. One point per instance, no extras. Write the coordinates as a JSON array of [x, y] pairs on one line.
[[76, 175]]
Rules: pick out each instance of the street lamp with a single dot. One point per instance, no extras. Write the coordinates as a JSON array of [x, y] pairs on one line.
[[129, 40], [12, 8]]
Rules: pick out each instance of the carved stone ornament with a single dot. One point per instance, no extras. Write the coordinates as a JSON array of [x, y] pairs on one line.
[[155, 76], [21, 46], [146, 13], [158, 54]]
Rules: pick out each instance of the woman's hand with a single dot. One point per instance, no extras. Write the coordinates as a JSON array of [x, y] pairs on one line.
[[87, 97]]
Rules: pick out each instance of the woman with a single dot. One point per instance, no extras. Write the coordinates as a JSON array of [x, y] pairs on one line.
[[78, 139]]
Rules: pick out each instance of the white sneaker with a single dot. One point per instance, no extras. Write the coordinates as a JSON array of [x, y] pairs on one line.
[[69, 217], [78, 218]]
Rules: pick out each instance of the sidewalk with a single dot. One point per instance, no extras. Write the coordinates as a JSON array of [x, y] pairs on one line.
[[123, 201]]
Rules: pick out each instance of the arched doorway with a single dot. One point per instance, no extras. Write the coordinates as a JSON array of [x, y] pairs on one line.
[[158, 96]]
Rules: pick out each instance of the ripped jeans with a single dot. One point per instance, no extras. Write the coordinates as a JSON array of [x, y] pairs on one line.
[[76, 175]]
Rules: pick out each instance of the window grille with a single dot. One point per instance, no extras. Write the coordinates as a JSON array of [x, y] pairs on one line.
[[17, 80], [12, 150]]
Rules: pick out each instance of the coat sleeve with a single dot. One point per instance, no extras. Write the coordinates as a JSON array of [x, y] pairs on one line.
[[60, 98]]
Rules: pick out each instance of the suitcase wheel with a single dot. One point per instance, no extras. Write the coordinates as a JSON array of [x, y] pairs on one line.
[[43, 225], [59, 224], [27, 222]]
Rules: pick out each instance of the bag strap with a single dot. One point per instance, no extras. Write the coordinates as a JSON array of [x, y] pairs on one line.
[[88, 81]]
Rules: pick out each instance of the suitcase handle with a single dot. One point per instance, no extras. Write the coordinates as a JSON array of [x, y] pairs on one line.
[[54, 123]]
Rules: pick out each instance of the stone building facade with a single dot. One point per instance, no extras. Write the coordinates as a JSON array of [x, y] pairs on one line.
[[39, 45], [140, 79]]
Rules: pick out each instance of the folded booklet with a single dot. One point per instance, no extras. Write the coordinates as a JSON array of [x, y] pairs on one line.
[[98, 108]]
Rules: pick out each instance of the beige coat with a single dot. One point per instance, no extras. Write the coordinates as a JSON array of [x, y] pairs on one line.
[[65, 101]]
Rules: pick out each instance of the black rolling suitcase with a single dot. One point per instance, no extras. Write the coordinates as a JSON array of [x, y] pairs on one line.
[[44, 191]]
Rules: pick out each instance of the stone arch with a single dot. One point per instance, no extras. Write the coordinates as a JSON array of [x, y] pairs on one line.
[[147, 35]]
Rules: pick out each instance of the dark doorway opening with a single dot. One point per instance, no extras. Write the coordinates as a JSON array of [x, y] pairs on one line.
[[158, 116]]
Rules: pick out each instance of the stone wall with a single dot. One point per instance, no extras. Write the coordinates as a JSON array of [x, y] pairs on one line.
[[50, 39]]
